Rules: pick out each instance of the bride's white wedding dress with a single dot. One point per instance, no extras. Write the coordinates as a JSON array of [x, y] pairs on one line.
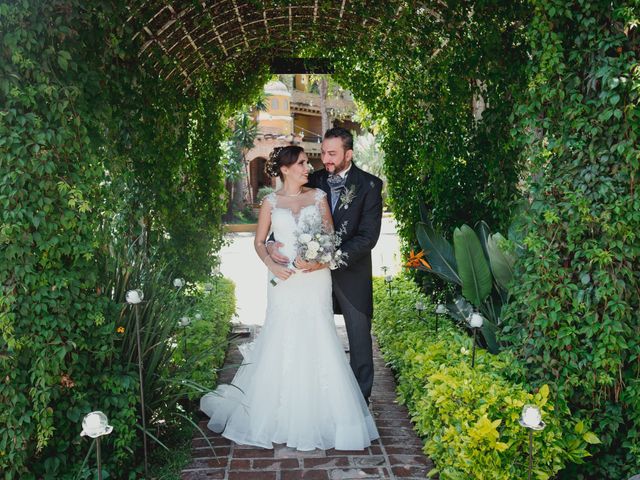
[[295, 386]]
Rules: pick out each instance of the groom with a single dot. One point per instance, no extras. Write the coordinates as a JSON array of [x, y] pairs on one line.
[[355, 198]]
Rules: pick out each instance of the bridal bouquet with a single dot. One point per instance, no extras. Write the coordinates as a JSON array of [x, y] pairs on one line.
[[315, 244]]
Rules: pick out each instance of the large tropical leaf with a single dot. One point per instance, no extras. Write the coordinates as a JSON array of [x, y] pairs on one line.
[[460, 310], [482, 229], [473, 267], [501, 261], [488, 331], [438, 252]]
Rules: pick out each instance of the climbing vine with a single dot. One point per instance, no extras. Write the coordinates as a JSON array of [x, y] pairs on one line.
[[574, 320], [95, 153], [421, 79], [50, 315]]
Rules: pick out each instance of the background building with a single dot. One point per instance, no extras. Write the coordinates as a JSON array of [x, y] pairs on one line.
[[293, 115]]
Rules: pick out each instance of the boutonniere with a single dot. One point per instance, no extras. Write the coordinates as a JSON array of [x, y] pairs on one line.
[[347, 197]]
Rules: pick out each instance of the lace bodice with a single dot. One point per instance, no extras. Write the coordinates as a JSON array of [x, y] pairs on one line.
[[288, 212]]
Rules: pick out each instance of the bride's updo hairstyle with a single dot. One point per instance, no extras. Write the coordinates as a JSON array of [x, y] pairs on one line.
[[282, 157]]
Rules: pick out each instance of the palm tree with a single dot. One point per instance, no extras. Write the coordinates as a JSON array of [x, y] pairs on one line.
[[245, 131]]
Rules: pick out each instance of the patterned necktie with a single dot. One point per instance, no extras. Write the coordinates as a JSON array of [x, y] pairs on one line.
[[336, 183]]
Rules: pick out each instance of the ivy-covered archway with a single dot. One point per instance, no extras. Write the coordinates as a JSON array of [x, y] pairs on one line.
[[112, 115]]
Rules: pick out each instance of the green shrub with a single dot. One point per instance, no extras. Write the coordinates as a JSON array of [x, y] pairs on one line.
[[469, 417], [207, 340], [195, 374]]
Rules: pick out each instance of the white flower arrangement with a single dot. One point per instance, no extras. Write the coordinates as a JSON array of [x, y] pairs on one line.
[[315, 244]]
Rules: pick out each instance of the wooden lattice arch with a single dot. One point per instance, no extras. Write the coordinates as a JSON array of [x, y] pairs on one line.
[[181, 38]]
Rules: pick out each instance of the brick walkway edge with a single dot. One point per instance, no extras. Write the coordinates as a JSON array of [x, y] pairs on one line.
[[396, 455]]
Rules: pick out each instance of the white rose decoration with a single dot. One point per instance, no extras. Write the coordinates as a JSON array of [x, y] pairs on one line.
[[313, 245], [304, 238], [325, 258]]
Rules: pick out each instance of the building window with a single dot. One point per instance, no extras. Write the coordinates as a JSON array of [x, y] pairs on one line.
[[274, 104], [285, 106]]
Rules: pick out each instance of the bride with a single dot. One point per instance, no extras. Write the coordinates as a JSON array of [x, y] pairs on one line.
[[295, 386]]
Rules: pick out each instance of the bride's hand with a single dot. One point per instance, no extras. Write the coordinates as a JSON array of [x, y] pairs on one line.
[[307, 267], [281, 271]]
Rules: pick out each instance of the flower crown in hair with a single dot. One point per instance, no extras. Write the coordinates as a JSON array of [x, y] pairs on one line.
[[272, 168]]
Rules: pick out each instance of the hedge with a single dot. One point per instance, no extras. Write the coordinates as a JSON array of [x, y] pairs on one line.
[[468, 417]]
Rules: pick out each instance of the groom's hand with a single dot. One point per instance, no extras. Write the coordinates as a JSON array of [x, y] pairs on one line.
[[273, 249]]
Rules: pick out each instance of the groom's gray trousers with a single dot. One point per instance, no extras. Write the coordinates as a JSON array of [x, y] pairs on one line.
[[360, 348]]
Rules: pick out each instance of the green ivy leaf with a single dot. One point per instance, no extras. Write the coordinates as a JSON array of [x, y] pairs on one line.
[[591, 438]]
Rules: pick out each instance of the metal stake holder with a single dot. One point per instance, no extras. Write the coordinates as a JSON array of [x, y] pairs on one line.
[[142, 404]]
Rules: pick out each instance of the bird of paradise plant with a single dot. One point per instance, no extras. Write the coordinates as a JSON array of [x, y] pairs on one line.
[[477, 262], [417, 261]]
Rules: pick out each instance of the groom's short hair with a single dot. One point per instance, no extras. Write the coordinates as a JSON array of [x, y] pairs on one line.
[[342, 133]]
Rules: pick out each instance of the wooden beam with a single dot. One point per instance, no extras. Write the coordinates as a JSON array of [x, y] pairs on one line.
[[301, 65]]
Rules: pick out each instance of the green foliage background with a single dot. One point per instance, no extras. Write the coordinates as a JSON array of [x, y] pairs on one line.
[[97, 150], [574, 321], [418, 79], [95, 153]]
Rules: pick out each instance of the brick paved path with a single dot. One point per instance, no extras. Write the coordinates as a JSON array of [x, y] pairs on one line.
[[396, 455]]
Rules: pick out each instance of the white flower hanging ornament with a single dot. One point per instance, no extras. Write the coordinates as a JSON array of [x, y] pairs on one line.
[[440, 310], [184, 322], [531, 419], [95, 424], [134, 297], [420, 307], [475, 321]]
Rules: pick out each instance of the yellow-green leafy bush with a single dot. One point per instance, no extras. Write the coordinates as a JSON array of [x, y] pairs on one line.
[[468, 417]]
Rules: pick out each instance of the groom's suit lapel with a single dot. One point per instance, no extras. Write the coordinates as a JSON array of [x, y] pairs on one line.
[[350, 183]]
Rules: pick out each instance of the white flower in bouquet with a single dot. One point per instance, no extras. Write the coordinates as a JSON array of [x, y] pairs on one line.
[[315, 244], [304, 238]]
